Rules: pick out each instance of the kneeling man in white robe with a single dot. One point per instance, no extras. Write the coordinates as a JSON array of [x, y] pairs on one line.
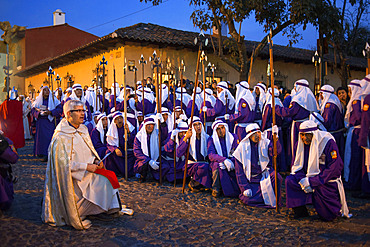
[[76, 183]]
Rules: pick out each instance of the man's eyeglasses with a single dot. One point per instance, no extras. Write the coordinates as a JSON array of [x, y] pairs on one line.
[[79, 111]]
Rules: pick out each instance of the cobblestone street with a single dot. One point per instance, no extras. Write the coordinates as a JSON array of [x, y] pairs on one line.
[[166, 217]]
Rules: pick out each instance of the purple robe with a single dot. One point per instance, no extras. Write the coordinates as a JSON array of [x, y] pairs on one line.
[[228, 181], [6, 183], [364, 136], [100, 147], [149, 107], [298, 114], [189, 107], [219, 110], [44, 128], [117, 163], [209, 119], [333, 122], [106, 105], [243, 116], [258, 113], [180, 154], [355, 164], [256, 199], [325, 197], [142, 161], [200, 170]]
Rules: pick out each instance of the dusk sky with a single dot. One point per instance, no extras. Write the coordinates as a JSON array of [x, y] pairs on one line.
[[86, 15]]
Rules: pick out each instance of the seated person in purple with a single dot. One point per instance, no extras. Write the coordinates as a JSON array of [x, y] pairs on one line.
[[78, 94], [182, 97], [46, 112], [146, 151], [198, 166], [244, 109], [166, 101], [315, 175], [332, 111], [149, 101], [8, 156], [99, 135], [221, 146], [113, 97], [198, 103], [266, 127], [303, 102], [210, 103], [254, 171], [116, 146], [259, 94], [178, 140]]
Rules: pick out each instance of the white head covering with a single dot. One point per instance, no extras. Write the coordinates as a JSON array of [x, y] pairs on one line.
[[57, 92], [13, 93], [243, 151], [304, 96], [329, 97], [262, 97], [198, 98], [68, 90], [170, 120], [117, 89], [319, 141], [365, 83], [74, 96], [243, 92], [229, 138], [51, 103], [107, 95], [209, 97], [318, 119], [112, 134], [148, 94], [356, 89], [142, 137], [164, 93], [269, 99], [181, 127], [203, 140], [185, 96], [222, 95], [99, 126], [91, 97]]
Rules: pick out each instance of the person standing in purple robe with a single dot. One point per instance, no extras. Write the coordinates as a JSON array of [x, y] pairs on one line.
[[198, 103], [113, 96], [78, 94], [316, 175], [116, 146], [259, 94], [332, 111], [364, 139], [178, 138], [99, 135], [244, 109], [182, 96], [353, 152], [266, 127], [303, 102], [149, 101], [146, 151], [221, 146], [166, 101], [100, 102], [46, 111], [210, 103], [254, 171], [8, 156]]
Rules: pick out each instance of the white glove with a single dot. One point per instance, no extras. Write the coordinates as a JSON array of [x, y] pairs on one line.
[[204, 108], [229, 165], [173, 134], [183, 117], [154, 164], [159, 117], [308, 189], [275, 130], [227, 116], [304, 183], [222, 165], [247, 193]]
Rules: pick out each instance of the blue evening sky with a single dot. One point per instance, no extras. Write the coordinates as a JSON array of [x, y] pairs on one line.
[[86, 15]]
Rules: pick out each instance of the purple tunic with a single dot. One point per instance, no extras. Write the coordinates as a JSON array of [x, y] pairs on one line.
[[149, 107], [256, 199], [188, 109], [325, 197], [209, 119], [229, 184], [258, 113], [117, 163], [334, 121], [355, 164], [364, 135], [99, 146], [298, 114], [6, 185], [180, 154], [44, 128], [244, 115]]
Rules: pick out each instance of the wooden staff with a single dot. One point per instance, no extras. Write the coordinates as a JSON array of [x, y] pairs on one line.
[[125, 111], [174, 126], [51, 73], [273, 118], [250, 68], [114, 89], [103, 62], [226, 100], [142, 62], [191, 120], [204, 86], [159, 109], [181, 78]]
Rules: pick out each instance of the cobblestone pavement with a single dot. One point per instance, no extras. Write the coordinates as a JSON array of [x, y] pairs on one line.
[[166, 217]]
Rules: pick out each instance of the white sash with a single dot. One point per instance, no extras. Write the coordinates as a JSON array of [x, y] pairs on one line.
[[344, 210], [268, 193], [347, 152]]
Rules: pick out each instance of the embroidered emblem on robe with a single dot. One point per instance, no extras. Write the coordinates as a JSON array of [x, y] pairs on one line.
[[366, 107], [327, 105], [244, 105], [333, 154]]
